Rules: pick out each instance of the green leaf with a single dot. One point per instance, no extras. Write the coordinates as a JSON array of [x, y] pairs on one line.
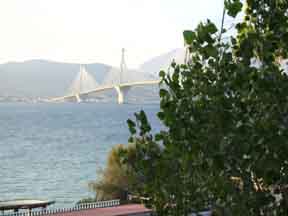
[[163, 93], [131, 126], [233, 7], [158, 137], [211, 27], [189, 37], [161, 115], [211, 51], [162, 74]]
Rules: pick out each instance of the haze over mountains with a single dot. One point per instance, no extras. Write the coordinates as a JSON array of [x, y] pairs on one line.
[[41, 78], [163, 62]]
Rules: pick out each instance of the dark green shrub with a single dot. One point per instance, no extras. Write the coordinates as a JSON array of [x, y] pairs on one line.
[[86, 200]]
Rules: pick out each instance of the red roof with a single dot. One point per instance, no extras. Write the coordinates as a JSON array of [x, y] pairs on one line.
[[109, 211]]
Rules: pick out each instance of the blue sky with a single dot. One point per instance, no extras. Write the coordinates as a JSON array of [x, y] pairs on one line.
[[84, 31]]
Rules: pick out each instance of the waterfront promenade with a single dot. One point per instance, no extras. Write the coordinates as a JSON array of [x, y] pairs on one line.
[[101, 208], [117, 210], [131, 209]]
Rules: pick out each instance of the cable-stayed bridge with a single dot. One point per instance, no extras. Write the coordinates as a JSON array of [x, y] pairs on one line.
[[85, 85]]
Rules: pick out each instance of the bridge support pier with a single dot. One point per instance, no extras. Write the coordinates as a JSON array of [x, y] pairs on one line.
[[121, 92], [78, 99]]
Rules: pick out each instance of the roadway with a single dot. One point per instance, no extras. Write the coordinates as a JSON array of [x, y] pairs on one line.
[[105, 88]]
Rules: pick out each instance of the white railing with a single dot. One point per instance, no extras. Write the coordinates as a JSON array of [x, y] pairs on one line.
[[101, 204], [79, 207]]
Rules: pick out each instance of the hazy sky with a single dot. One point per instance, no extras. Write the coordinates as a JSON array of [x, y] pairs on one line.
[[84, 31]]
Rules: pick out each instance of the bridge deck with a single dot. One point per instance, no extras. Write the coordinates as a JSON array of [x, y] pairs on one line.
[[104, 88]]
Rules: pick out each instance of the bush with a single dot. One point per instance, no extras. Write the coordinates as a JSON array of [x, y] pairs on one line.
[[116, 180], [86, 200]]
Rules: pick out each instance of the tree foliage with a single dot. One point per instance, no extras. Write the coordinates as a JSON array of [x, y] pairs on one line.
[[225, 111], [116, 180]]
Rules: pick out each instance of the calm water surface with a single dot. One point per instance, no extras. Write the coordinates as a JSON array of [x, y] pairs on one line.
[[51, 151]]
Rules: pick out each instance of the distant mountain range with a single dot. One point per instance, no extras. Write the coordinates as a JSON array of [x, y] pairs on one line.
[[163, 62], [41, 78]]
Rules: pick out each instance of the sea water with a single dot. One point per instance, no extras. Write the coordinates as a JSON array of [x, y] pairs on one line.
[[51, 151]]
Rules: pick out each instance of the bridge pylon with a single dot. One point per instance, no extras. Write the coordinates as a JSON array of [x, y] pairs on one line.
[[78, 98], [122, 93], [123, 66], [83, 82]]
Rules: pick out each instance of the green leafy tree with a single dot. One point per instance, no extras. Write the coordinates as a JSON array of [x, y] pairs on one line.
[[225, 112]]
